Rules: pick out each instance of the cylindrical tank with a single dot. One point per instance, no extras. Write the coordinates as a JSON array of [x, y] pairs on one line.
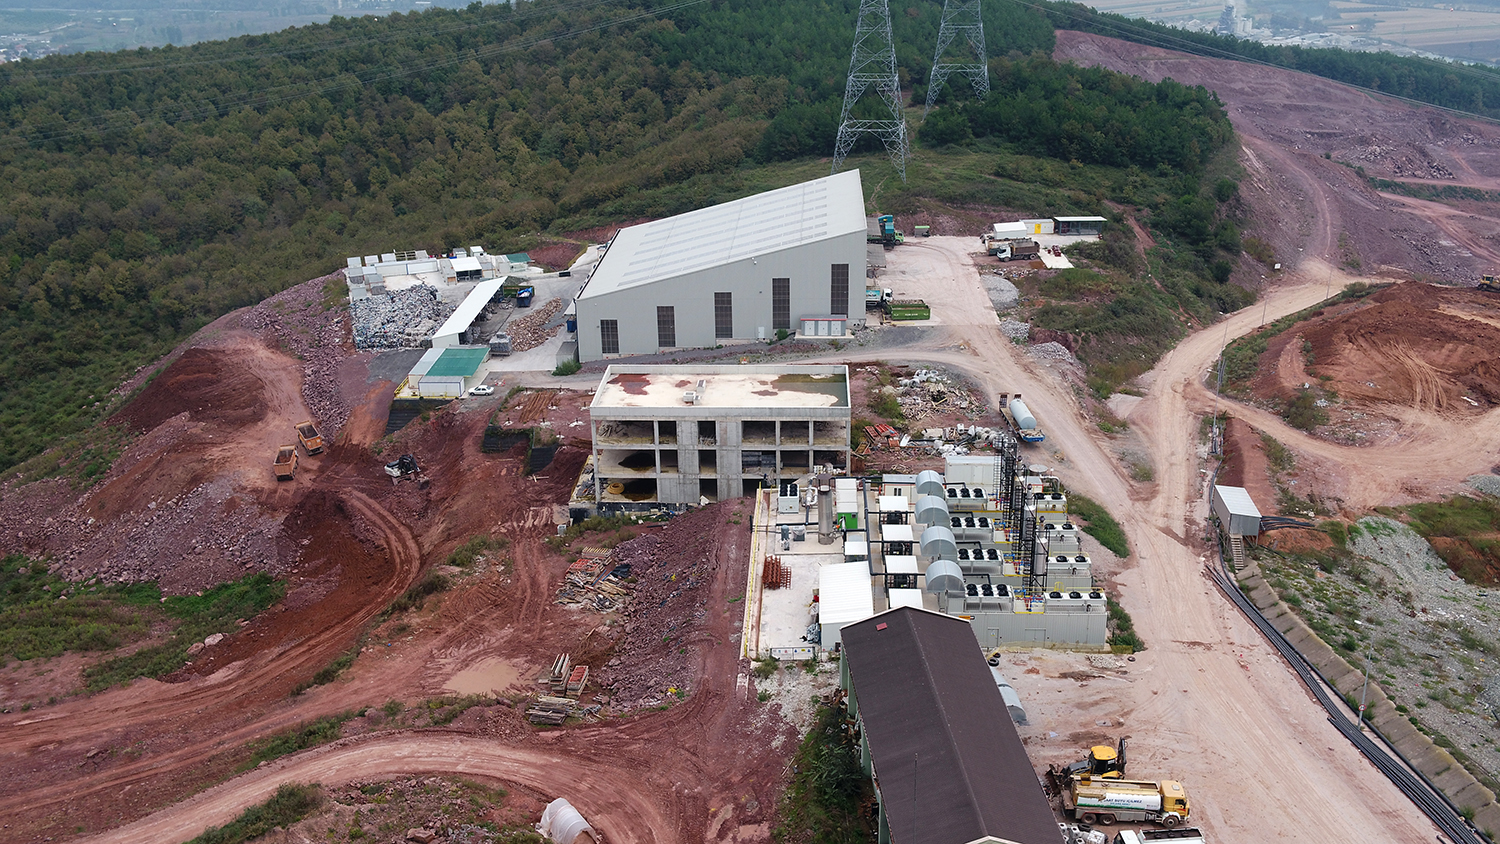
[[1022, 414], [825, 511]]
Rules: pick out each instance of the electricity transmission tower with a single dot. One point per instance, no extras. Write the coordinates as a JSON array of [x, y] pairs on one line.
[[873, 63], [960, 17]]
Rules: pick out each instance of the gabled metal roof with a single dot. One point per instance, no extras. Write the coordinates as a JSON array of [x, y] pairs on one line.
[[733, 231], [947, 758]]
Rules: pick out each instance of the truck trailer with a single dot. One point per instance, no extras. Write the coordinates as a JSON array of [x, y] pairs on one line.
[[1107, 801], [308, 435], [876, 297], [1018, 416], [285, 464], [1180, 835], [1015, 250], [907, 309]]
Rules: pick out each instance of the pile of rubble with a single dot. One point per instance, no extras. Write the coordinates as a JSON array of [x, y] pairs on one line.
[[930, 391], [195, 540], [295, 319], [595, 583], [1016, 331], [673, 570], [530, 331], [402, 319]]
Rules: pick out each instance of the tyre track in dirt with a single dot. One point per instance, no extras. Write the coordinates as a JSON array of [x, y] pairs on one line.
[[604, 796], [268, 676]]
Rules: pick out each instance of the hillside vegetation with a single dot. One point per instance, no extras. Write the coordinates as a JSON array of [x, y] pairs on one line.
[[144, 193]]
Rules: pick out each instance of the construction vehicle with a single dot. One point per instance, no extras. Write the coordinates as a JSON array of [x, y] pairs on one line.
[[907, 309], [1018, 416], [1104, 801], [285, 464], [1015, 250], [1180, 835], [403, 467], [876, 297], [922, 231], [1103, 762], [308, 435], [1488, 284], [884, 231]]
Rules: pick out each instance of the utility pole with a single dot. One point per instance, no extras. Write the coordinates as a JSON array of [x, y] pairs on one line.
[[960, 17], [873, 63]]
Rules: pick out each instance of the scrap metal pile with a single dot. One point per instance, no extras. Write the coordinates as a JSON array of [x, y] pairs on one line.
[[401, 319], [932, 391], [592, 582]]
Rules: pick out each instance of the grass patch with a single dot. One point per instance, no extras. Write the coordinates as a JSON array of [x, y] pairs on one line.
[[465, 555], [318, 731], [1461, 531], [291, 803], [1098, 523], [885, 405], [217, 610], [330, 672], [1122, 636], [567, 367], [445, 709], [822, 802], [416, 595]]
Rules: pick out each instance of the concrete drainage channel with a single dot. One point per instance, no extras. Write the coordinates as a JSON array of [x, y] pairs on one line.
[[1433, 803]]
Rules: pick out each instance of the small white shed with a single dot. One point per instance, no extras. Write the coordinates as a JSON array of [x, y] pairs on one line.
[[1236, 511], [844, 597]]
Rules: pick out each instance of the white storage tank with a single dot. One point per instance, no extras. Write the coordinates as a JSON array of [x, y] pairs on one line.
[[1024, 420]]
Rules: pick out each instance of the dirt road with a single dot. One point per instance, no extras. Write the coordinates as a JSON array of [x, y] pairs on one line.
[[608, 796], [1210, 703]]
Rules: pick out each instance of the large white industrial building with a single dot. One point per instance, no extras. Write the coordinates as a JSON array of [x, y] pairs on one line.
[[744, 270]]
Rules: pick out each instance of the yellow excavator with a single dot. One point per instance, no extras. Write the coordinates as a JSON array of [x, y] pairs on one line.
[[1488, 284], [1103, 762]]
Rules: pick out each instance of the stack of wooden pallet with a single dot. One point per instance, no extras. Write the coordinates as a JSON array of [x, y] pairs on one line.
[[551, 711]]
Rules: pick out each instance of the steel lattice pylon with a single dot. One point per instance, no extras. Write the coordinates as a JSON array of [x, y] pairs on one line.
[[873, 63], [960, 17]]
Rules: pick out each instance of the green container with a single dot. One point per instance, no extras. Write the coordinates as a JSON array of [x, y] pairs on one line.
[[849, 521]]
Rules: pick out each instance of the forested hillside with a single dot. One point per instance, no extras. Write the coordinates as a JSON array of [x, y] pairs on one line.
[[144, 193]]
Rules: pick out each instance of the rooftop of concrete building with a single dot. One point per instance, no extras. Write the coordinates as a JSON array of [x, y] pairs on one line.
[[732, 231], [625, 386]]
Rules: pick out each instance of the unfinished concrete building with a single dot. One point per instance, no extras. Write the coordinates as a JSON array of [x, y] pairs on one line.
[[689, 434]]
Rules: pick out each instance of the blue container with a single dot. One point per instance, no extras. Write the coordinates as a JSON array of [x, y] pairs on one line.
[[523, 298], [572, 325]]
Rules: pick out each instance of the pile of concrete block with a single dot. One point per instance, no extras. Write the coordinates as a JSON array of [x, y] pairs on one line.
[[401, 319]]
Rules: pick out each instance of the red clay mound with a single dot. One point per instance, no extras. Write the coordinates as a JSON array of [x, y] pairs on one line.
[[1411, 345], [203, 382], [1414, 345]]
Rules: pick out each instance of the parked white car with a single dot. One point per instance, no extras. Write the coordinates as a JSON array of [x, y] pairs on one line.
[[482, 390]]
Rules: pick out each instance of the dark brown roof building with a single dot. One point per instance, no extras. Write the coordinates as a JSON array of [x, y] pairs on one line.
[[936, 737]]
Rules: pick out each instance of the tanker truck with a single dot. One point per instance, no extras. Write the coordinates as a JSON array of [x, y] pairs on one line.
[[1018, 417], [1104, 801]]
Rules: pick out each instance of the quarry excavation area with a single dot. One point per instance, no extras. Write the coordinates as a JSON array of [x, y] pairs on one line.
[[1209, 703]]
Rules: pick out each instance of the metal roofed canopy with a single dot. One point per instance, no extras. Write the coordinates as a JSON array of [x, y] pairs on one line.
[[1238, 500], [844, 594], [732, 231], [951, 765], [763, 387], [461, 361], [463, 316]]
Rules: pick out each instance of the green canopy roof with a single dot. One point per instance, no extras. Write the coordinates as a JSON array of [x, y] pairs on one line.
[[463, 361]]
